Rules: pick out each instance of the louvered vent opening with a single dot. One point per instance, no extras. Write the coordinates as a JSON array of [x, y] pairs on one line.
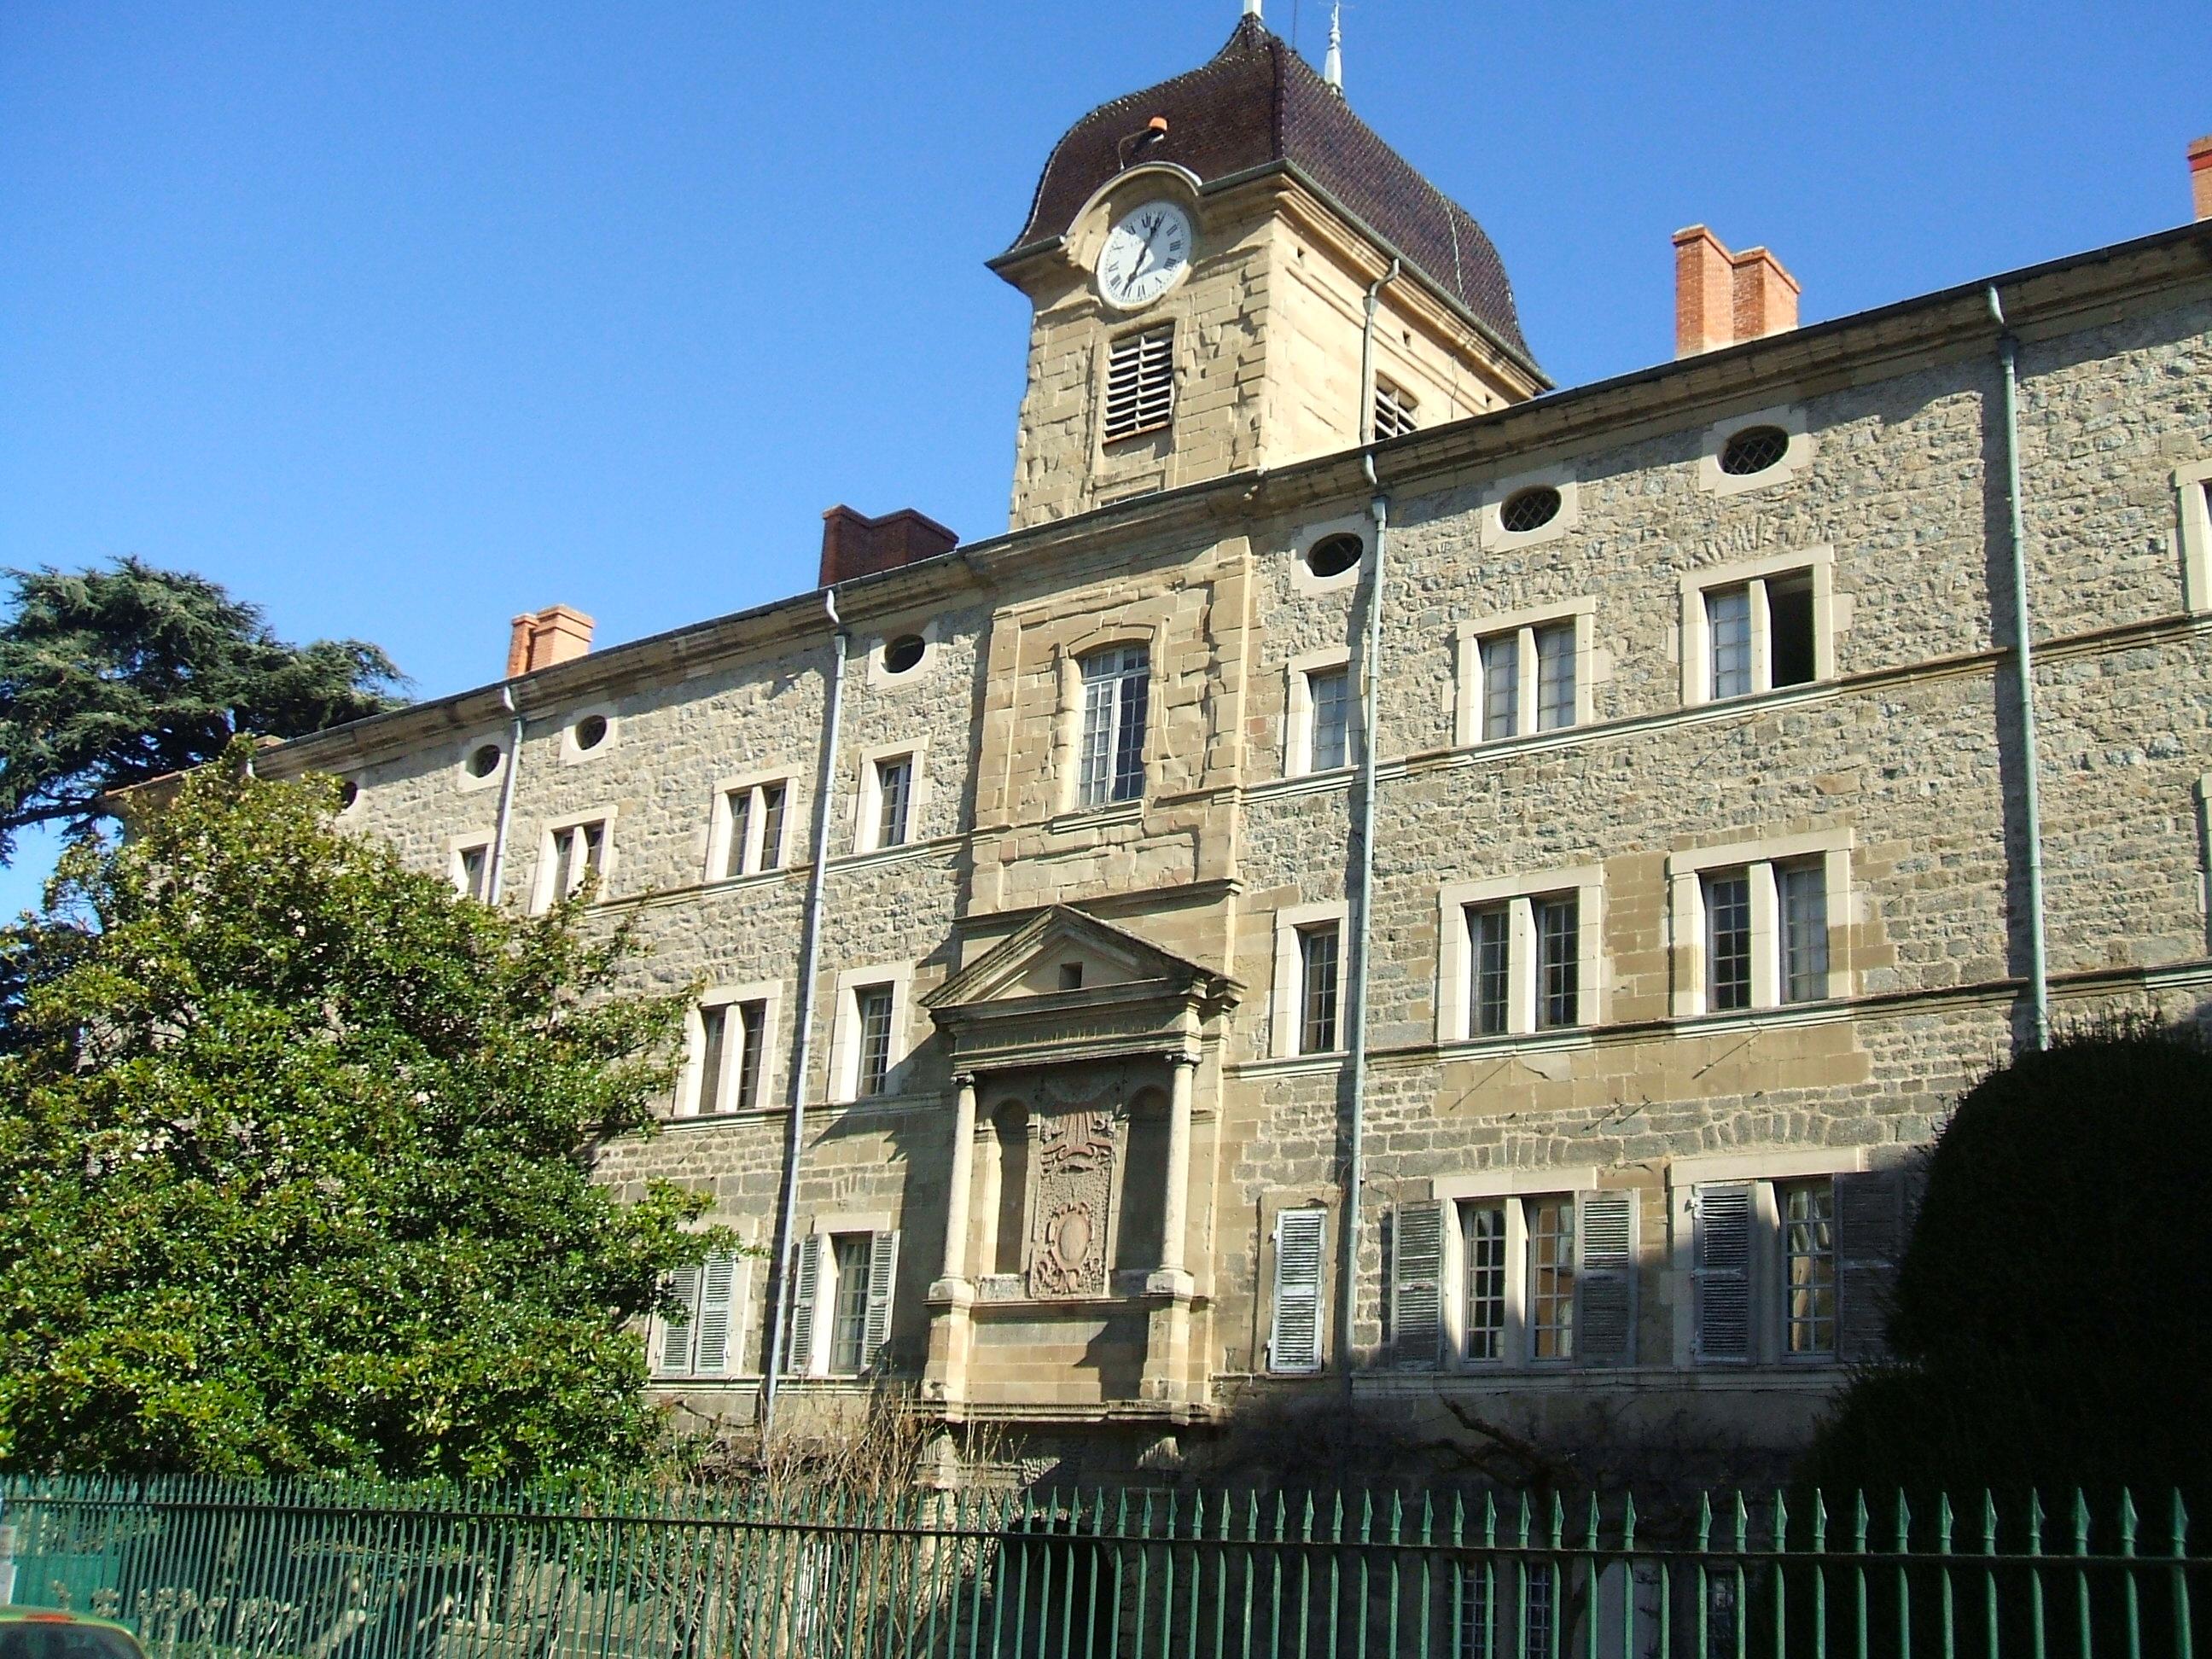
[[1393, 411], [1141, 383]]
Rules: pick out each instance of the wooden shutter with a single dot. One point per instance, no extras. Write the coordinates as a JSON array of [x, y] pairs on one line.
[[676, 1334], [718, 1299], [1294, 1344], [808, 1273], [1869, 1237], [1140, 382], [1417, 1311], [882, 1276], [1605, 1280], [1722, 1225]]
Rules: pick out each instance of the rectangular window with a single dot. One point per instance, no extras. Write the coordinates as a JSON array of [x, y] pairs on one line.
[[1555, 676], [476, 873], [1808, 1212], [579, 851], [848, 1326], [1728, 631], [1490, 931], [1728, 939], [752, 1031], [1394, 410], [1141, 383], [872, 1011], [1550, 1293], [714, 1042], [1802, 894], [1501, 686], [1559, 958], [894, 788], [1116, 698], [756, 829], [1760, 634], [1317, 961], [1329, 695], [1482, 1239]]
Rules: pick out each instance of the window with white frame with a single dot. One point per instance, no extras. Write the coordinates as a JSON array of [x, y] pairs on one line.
[[1753, 923], [1294, 1335], [574, 853], [2192, 487], [867, 1043], [1141, 383], [1117, 696], [472, 871], [732, 1044], [842, 1300], [1393, 409], [1525, 673], [752, 828], [1307, 1003], [890, 799], [700, 1341], [1792, 1268], [1520, 955], [1532, 1279], [1318, 948], [871, 1016], [1756, 627], [1328, 728]]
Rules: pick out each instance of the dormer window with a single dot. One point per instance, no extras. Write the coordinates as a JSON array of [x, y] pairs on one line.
[[1394, 410], [1141, 383]]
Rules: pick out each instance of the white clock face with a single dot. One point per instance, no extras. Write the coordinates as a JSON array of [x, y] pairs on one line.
[[1145, 255]]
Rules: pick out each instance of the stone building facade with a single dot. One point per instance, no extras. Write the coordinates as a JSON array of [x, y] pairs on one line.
[[1028, 894]]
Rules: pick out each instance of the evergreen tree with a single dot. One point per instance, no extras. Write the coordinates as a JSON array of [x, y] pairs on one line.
[[108, 677]]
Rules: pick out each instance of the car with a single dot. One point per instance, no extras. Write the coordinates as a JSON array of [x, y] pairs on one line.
[[48, 1633]]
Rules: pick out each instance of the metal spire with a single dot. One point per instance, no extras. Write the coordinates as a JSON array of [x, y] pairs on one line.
[[1332, 68]]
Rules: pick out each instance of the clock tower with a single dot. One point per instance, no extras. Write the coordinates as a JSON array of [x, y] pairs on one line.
[[1200, 256]]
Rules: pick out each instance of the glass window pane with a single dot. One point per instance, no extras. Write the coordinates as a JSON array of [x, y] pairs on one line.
[[1555, 676], [1488, 932], [752, 1024], [849, 1329], [1808, 1248], [1559, 957], [1328, 691], [1551, 1276], [874, 1012], [894, 783], [1802, 889], [1482, 1231], [1110, 756], [1501, 686], [1728, 939], [741, 813], [1317, 951], [771, 841], [1129, 734], [1727, 625], [713, 1024]]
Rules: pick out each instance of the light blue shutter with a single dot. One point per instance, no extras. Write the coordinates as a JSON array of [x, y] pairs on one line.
[[1722, 1221], [1294, 1343], [675, 1356], [1605, 1280], [883, 1278], [1869, 1237], [1417, 1314], [718, 1295], [808, 1273]]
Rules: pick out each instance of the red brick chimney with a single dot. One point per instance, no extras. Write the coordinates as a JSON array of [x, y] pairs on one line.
[[540, 638], [2200, 176], [1720, 298], [854, 545]]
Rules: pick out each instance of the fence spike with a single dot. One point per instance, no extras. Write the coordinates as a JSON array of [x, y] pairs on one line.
[[1628, 1522]]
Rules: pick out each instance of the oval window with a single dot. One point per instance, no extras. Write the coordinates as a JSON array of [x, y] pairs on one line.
[[1754, 450], [904, 653], [591, 732], [1332, 555], [349, 793], [483, 760], [1529, 509]]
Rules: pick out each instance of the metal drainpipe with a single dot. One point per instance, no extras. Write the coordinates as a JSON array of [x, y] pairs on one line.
[[506, 794], [2023, 668], [802, 1041], [1378, 507]]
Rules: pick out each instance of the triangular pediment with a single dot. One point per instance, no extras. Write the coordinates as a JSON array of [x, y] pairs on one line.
[[1062, 953]]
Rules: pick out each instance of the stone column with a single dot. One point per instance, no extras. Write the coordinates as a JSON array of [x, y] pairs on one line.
[[1175, 1208], [964, 1168], [945, 1378]]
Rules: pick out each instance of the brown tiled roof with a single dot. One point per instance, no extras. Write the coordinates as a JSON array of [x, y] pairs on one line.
[[1258, 103]]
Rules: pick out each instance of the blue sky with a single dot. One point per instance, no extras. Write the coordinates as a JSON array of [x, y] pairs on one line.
[[399, 318]]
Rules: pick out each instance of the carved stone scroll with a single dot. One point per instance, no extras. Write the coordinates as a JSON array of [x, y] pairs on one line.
[[1075, 1184]]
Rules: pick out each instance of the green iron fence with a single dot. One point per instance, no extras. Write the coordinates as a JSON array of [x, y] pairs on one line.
[[202, 1569]]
